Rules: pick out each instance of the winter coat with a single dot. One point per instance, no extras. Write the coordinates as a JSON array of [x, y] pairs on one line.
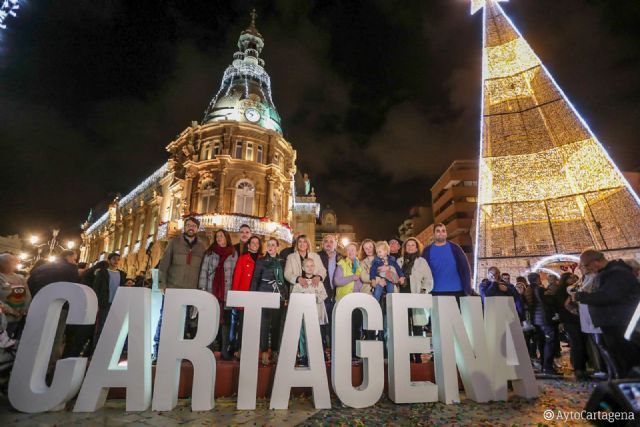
[[243, 273], [264, 278], [539, 310], [492, 289], [208, 271], [616, 297], [101, 285], [321, 295], [331, 292], [293, 267], [365, 278], [378, 262], [462, 264], [421, 281], [174, 267], [52, 272], [557, 295]]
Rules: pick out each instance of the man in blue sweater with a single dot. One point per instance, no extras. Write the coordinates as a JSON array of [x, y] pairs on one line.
[[449, 265]]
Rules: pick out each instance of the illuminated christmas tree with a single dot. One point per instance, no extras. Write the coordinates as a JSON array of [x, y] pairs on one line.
[[547, 187]]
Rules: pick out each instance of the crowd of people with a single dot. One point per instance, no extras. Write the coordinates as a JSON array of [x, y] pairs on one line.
[[591, 312]]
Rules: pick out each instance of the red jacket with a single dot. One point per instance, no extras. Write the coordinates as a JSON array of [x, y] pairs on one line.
[[243, 273]]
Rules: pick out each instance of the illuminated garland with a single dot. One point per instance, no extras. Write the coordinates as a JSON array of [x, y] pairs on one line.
[[546, 185], [140, 189], [8, 8]]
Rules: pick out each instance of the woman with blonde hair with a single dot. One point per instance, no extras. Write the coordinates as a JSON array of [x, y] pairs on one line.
[[293, 267]]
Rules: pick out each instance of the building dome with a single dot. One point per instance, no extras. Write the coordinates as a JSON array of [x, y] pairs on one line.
[[245, 90]]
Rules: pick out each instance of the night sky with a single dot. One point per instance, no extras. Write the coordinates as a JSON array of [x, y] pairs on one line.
[[377, 97]]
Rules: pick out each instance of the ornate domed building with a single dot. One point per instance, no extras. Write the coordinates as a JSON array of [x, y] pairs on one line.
[[233, 168]]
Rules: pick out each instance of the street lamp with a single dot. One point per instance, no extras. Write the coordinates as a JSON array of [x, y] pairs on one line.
[[71, 244], [33, 239], [51, 258], [22, 256], [345, 241]]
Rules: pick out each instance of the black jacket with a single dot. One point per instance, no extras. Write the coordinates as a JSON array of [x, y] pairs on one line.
[[331, 292], [264, 278], [101, 286], [557, 296], [616, 297], [538, 305], [52, 272]]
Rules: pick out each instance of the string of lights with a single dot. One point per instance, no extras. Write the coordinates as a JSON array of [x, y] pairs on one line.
[[8, 8], [546, 184]]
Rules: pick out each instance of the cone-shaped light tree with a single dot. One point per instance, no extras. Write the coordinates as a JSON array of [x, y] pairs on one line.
[[547, 186]]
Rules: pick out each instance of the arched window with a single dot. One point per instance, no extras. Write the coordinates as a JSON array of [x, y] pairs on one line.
[[208, 197], [245, 191]]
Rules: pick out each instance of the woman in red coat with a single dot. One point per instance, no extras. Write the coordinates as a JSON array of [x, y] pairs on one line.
[[242, 276]]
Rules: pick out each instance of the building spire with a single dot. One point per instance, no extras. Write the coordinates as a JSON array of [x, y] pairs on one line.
[[251, 29]]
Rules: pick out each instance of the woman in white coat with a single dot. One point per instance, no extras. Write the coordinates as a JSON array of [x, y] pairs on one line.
[[293, 267], [420, 281]]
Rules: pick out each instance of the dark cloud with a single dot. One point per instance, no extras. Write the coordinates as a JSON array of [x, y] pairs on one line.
[[377, 97]]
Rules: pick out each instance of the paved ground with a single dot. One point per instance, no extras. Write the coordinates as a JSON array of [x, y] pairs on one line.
[[555, 395]]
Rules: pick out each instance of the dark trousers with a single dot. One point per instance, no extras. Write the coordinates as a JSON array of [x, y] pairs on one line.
[[546, 337], [625, 354], [78, 341], [235, 333], [270, 331], [222, 339], [326, 329], [100, 321], [578, 349], [356, 328], [613, 370]]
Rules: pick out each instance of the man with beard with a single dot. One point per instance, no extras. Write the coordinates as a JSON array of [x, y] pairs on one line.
[[180, 264], [449, 265]]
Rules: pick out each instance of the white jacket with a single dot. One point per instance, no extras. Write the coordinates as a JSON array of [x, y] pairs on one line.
[[293, 267], [421, 281]]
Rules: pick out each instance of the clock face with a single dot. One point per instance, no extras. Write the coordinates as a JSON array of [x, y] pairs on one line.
[[252, 114]]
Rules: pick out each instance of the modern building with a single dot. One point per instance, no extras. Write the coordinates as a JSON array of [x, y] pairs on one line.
[[420, 217], [453, 201], [234, 167]]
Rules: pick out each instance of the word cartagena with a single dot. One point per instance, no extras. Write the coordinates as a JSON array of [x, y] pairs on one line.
[[488, 351]]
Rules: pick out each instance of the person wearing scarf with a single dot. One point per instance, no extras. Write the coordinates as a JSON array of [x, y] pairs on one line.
[[347, 280], [268, 276], [216, 277], [419, 280]]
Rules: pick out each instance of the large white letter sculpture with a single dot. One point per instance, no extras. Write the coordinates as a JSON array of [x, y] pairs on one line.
[[460, 340], [509, 355], [301, 307], [129, 316], [28, 391], [253, 303], [400, 345], [369, 392], [174, 348]]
